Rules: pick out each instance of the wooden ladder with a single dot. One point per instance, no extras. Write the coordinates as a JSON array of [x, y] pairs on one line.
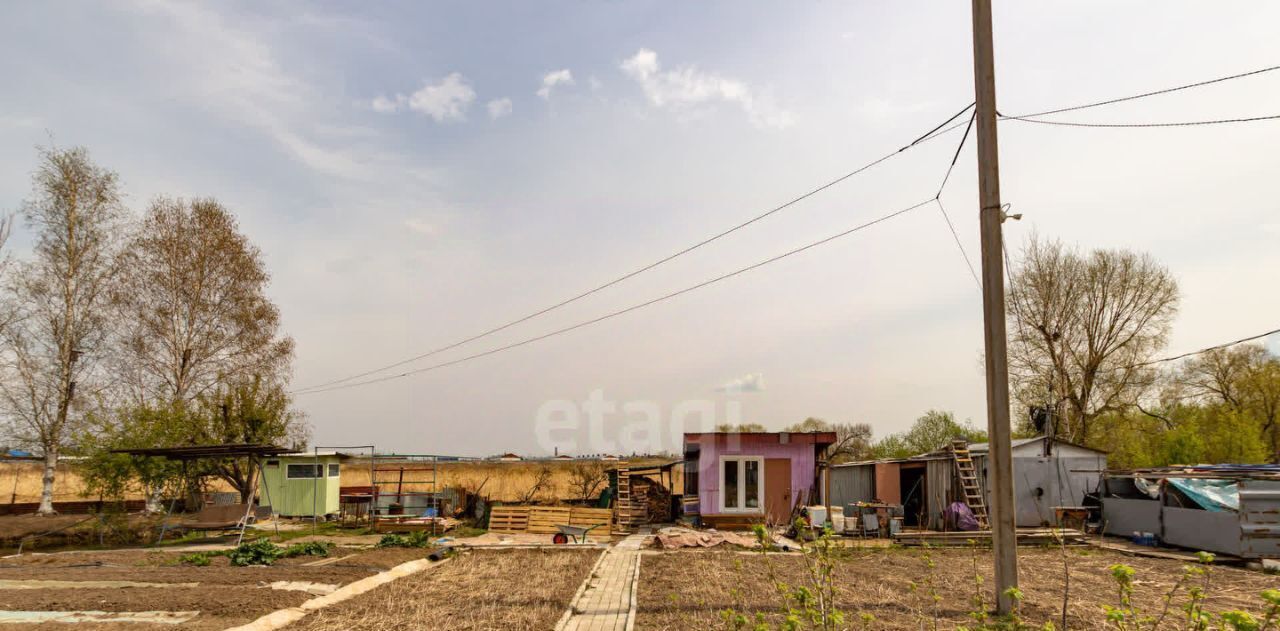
[[969, 482], [622, 508]]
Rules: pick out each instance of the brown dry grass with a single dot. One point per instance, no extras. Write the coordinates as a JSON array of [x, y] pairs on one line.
[[490, 589], [503, 481], [689, 589]]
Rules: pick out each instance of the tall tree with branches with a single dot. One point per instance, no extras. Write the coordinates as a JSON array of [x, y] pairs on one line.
[[1245, 379], [249, 409], [1083, 325], [60, 303], [195, 297]]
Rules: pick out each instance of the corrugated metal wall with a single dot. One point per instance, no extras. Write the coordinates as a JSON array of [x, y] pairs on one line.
[[1260, 518], [939, 480], [854, 483]]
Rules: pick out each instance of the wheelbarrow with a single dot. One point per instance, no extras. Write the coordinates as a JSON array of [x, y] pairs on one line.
[[577, 533]]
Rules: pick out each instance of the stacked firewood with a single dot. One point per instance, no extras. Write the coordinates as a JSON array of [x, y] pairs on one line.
[[655, 498]]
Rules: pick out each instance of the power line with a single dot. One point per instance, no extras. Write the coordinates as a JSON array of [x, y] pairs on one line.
[[1201, 351], [954, 158], [1018, 314], [938, 200], [940, 130], [1147, 94], [626, 310], [1220, 121], [930, 135]]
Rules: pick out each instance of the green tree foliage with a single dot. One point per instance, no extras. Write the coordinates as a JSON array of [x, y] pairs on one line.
[[1185, 434], [112, 475], [255, 409], [935, 430]]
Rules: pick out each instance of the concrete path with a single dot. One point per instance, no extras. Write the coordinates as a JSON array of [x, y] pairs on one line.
[[607, 599]]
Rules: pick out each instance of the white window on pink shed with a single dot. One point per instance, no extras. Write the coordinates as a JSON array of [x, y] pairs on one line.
[[741, 484]]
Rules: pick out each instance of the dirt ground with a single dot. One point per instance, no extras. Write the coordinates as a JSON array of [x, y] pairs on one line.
[[225, 595], [690, 589], [480, 589]]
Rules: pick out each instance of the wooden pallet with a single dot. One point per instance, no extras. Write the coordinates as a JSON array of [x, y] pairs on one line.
[[545, 520], [509, 519]]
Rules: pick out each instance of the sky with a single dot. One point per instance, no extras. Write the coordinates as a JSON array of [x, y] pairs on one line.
[[416, 173]]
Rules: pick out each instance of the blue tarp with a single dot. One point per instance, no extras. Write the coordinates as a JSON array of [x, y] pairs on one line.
[[1212, 495]]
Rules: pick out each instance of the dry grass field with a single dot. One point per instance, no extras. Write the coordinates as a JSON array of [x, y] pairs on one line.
[[502, 481], [690, 589], [479, 590]]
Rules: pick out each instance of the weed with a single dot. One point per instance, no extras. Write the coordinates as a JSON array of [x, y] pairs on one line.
[[199, 559], [309, 549], [416, 539], [260, 552]]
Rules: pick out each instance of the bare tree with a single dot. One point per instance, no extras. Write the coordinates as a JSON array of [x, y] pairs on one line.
[[196, 300], [853, 440], [542, 480], [588, 477], [60, 303], [1083, 324]]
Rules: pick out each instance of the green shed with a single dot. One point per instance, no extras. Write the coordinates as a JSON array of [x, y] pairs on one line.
[[301, 484]]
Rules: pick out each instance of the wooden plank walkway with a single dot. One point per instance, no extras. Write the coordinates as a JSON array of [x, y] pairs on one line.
[[607, 600]]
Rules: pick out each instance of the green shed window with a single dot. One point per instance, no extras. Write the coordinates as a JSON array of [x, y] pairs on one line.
[[333, 470], [298, 471]]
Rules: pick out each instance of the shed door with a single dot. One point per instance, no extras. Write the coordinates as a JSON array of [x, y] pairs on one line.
[[777, 489]]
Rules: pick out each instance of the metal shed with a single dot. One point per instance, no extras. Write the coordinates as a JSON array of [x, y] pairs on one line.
[[1047, 473], [1226, 509]]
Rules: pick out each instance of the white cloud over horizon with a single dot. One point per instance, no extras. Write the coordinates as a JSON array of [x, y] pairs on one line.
[[443, 102], [753, 382], [499, 108], [553, 79], [686, 87]]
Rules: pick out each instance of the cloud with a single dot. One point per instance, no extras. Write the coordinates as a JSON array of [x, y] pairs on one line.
[[444, 101], [553, 79], [421, 226], [499, 108], [686, 88], [753, 382]]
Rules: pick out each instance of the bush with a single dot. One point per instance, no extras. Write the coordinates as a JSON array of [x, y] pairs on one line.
[[260, 552], [200, 559], [308, 549], [416, 539]]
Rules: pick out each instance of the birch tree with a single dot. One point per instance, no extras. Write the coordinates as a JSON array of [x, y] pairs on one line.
[[195, 297], [60, 304], [1082, 326]]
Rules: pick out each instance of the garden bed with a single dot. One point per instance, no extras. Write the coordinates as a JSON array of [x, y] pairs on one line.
[[481, 589], [692, 589]]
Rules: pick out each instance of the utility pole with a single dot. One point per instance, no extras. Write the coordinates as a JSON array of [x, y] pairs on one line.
[[999, 457]]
